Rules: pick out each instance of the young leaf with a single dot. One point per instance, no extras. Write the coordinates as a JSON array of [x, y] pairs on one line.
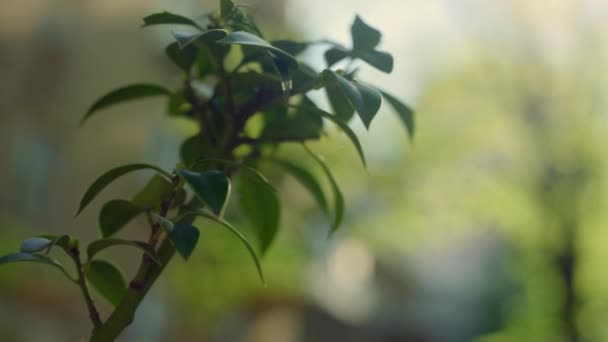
[[127, 93], [108, 177], [34, 245], [212, 187], [364, 36], [115, 214], [406, 114], [108, 280], [163, 18], [365, 99], [341, 124], [244, 240], [184, 237], [338, 197], [99, 245], [57, 240], [260, 204], [306, 178], [41, 259], [248, 39]]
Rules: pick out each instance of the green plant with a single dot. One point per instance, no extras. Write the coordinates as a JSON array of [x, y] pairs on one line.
[[244, 113]]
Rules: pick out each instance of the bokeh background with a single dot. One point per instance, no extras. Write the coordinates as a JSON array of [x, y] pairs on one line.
[[490, 226]]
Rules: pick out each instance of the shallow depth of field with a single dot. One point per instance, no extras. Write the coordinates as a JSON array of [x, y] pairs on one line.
[[491, 225]]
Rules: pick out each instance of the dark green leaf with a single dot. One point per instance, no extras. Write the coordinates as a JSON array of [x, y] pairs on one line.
[[406, 114], [183, 58], [289, 46], [248, 39], [364, 36], [108, 280], [341, 124], [99, 245], [336, 54], [34, 245], [260, 204], [307, 179], [27, 257], [184, 39], [338, 197], [382, 61], [115, 214], [299, 127], [184, 238], [168, 18], [127, 93], [193, 149], [339, 102], [244, 240], [365, 99], [108, 177], [212, 187], [284, 71], [304, 79]]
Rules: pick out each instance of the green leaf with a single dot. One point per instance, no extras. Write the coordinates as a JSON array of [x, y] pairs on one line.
[[115, 214], [41, 259], [283, 69], [336, 54], [248, 39], [304, 79], [184, 39], [33, 245], [99, 245], [153, 193], [260, 204], [212, 187], [338, 197], [381, 60], [365, 99], [244, 240], [406, 114], [184, 58], [307, 179], [164, 18], [339, 102], [193, 149], [108, 280], [127, 93], [291, 47], [184, 238], [341, 124], [301, 126], [364, 36], [108, 177]]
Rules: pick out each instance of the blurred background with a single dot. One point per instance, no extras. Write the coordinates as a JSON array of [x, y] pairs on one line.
[[490, 226]]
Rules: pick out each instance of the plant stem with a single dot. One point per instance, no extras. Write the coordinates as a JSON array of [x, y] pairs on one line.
[[82, 282], [124, 313]]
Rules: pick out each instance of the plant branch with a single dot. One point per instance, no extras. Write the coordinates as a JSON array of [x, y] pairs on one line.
[[82, 283]]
